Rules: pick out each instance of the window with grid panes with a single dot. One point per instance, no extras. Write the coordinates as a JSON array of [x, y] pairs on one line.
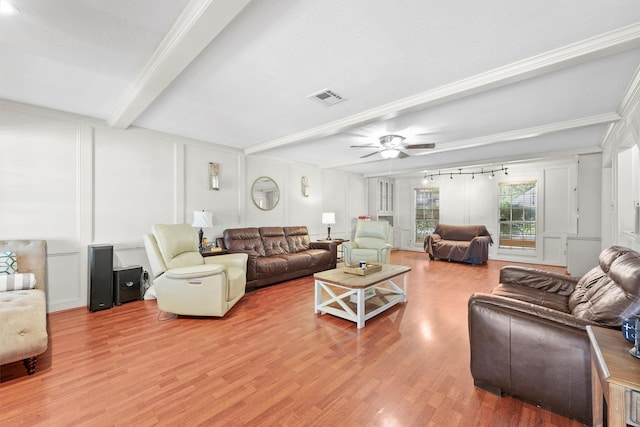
[[518, 213], [427, 212]]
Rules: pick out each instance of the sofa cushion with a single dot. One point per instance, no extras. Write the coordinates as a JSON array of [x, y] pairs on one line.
[[244, 240], [8, 263], [298, 262], [17, 282], [274, 241], [297, 238], [271, 266], [23, 316]]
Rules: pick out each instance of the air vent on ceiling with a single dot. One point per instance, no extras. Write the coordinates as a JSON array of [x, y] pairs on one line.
[[326, 97]]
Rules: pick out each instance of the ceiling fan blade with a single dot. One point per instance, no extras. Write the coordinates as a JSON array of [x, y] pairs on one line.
[[364, 146], [370, 154], [416, 146], [402, 155]]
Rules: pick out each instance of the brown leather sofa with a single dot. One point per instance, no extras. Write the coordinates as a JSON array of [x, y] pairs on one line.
[[277, 254], [464, 243], [528, 336]]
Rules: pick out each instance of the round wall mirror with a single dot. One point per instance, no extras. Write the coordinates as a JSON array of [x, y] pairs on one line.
[[265, 193]]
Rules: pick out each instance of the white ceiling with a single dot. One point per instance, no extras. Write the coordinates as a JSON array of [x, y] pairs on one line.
[[487, 81]]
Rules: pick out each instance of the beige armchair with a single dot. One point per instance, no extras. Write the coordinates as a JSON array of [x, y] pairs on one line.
[[187, 283], [371, 243], [23, 313]]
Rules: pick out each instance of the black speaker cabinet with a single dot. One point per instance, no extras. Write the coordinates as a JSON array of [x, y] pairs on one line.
[[126, 284], [100, 277]]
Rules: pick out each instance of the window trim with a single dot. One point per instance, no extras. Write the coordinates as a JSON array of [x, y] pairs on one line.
[[523, 247], [415, 207]]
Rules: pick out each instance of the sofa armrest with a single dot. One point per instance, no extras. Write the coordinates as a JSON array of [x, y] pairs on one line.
[[484, 240], [540, 313], [251, 263], [347, 247], [429, 240], [230, 260], [538, 354], [539, 279], [322, 245]]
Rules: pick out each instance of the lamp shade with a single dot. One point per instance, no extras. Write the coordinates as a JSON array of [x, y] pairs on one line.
[[202, 219], [328, 217]]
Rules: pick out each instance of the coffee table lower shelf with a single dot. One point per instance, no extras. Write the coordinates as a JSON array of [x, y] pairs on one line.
[[346, 296]]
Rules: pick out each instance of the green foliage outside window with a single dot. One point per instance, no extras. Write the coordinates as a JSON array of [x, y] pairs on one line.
[[427, 212], [518, 212]]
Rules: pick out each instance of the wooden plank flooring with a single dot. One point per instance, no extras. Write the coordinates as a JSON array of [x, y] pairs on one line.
[[270, 362]]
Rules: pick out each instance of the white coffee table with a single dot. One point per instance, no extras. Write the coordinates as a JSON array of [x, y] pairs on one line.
[[334, 288]]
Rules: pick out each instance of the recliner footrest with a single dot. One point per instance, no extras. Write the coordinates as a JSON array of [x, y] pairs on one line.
[[196, 271]]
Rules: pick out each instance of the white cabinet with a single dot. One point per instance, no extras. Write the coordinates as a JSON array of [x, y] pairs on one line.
[[381, 196], [385, 196]]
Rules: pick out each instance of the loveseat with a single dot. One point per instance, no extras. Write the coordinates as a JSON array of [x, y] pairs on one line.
[[528, 336], [277, 254], [463, 243], [23, 311]]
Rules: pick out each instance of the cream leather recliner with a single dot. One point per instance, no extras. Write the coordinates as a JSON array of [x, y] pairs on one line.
[[186, 282], [371, 243]]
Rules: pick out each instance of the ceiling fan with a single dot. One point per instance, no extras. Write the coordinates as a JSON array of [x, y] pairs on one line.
[[391, 146]]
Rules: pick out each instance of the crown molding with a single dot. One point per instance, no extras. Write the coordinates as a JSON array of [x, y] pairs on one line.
[[589, 49], [199, 23]]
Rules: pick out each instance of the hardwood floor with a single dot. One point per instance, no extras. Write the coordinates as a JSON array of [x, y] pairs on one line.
[[270, 361]]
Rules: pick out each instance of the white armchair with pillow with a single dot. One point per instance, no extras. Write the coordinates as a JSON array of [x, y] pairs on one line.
[[23, 305], [371, 243], [187, 283]]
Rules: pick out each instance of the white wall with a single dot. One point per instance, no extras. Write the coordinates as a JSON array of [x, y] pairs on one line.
[[74, 181], [621, 166]]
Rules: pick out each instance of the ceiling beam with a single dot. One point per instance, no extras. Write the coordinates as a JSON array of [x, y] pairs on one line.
[[596, 47], [199, 23]]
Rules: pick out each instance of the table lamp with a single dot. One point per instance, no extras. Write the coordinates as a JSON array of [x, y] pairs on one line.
[[202, 219], [328, 218]]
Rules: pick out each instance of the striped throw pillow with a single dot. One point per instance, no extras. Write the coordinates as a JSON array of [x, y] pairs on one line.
[[17, 282]]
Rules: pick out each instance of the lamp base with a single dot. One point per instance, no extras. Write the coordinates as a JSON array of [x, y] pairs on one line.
[[200, 245], [328, 233]]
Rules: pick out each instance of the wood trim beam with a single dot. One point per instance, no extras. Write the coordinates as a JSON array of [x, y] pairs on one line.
[[198, 24]]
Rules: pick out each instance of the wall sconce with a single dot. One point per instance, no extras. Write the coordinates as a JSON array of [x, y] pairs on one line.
[[214, 176], [305, 186]]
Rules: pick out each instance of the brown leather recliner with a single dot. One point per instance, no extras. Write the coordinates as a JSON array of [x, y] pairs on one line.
[[528, 337]]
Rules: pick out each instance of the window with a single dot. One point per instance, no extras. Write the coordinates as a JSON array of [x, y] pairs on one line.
[[427, 212], [518, 215]]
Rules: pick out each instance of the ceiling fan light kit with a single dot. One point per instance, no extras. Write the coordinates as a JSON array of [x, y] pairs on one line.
[[390, 153], [391, 146]]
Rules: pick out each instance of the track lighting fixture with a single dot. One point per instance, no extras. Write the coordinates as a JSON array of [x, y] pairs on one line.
[[490, 173]]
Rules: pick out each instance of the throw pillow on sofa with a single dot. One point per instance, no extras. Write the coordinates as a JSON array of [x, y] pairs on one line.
[[17, 282], [8, 263]]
